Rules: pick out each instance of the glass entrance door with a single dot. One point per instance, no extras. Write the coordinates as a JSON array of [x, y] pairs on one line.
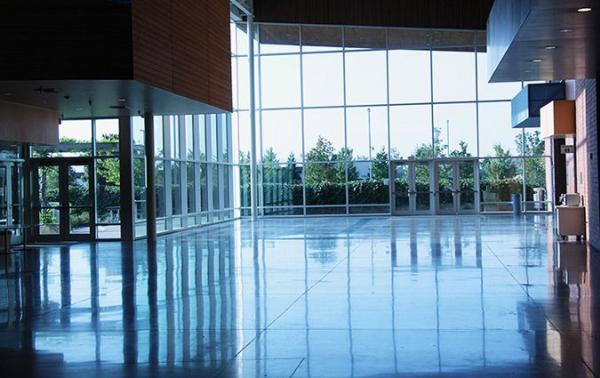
[[456, 183], [411, 192], [63, 206]]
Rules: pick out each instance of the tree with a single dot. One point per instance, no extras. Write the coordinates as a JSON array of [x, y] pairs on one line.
[[318, 163], [379, 166]]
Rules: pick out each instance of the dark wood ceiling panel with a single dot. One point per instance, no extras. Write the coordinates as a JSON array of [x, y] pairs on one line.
[[447, 14]]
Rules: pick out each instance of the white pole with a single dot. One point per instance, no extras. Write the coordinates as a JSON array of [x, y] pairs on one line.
[[253, 181]]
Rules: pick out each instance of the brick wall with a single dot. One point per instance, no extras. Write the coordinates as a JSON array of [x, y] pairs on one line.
[[588, 180]]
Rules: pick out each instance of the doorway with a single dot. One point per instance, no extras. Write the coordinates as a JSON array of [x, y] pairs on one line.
[[425, 187], [63, 199]]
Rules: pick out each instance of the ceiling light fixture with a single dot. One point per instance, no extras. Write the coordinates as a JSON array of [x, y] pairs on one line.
[[584, 10], [536, 60], [550, 47], [566, 30]]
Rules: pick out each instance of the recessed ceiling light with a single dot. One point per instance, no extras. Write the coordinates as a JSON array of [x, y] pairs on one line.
[[550, 47], [527, 71], [122, 100], [536, 60], [7, 94], [584, 10], [566, 30]]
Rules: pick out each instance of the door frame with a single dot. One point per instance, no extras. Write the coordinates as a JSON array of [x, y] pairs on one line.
[[63, 164], [456, 190], [412, 192], [434, 208]]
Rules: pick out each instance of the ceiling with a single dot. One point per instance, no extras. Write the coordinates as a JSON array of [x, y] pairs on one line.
[[552, 42], [99, 98]]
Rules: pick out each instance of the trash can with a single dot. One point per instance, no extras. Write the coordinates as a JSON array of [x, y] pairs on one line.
[[516, 204]]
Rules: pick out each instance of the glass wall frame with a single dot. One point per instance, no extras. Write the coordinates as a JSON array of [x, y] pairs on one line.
[[437, 133]]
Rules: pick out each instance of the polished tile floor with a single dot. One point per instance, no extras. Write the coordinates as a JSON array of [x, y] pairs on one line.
[[313, 297]]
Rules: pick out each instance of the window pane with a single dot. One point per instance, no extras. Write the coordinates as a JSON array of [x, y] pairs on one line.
[[410, 132], [214, 149], [496, 136], [410, 76], [244, 136], [280, 81], [323, 133], [455, 130], [366, 78], [367, 132], [174, 137], [281, 184], [176, 187], [202, 137], [108, 192], [366, 182], [326, 183], [453, 76], [107, 137], [323, 79], [189, 137], [499, 179], [203, 187], [191, 186], [224, 139], [139, 139], [279, 39], [159, 184], [214, 168], [159, 149], [493, 91], [275, 124]]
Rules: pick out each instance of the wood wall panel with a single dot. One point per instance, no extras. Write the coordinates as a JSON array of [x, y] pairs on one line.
[[446, 14], [183, 46], [28, 124]]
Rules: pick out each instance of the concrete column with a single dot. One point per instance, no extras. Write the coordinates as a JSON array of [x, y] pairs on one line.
[[126, 179], [252, 102], [150, 188]]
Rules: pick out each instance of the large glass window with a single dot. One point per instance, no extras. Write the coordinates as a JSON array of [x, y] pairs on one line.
[[338, 109]]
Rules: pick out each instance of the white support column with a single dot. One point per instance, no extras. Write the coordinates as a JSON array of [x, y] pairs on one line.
[[252, 102]]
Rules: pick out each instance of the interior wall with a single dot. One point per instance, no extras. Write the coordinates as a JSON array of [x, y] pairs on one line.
[[587, 177]]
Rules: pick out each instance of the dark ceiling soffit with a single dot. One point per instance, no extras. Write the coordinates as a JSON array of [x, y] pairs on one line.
[[435, 14], [532, 40], [371, 37]]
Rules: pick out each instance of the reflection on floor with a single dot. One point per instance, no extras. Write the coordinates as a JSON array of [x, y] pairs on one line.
[[315, 297]]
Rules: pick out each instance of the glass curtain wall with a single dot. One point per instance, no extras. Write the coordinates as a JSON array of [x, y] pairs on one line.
[[336, 104], [193, 172]]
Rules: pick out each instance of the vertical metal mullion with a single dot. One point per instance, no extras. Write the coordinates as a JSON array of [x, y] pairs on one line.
[[260, 187], [389, 133], [209, 164], [345, 116], [431, 99], [197, 181], [302, 124], [168, 174], [477, 101], [182, 124], [252, 113]]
